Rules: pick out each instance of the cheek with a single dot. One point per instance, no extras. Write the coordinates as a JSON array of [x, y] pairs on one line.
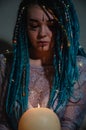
[[53, 39], [52, 44], [52, 35], [32, 36]]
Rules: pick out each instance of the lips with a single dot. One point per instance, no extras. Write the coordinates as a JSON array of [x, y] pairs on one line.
[[43, 43]]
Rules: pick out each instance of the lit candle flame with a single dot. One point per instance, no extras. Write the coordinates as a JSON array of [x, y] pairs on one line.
[[38, 105]]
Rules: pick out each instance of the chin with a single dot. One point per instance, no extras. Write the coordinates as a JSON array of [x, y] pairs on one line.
[[44, 49]]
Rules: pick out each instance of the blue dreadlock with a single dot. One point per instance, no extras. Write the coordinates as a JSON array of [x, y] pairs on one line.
[[19, 78], [66, 49]]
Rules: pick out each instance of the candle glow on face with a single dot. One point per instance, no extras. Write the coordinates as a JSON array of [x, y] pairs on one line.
[[39, 119]]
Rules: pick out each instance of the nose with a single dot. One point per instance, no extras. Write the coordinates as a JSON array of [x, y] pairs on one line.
[[43, 31]]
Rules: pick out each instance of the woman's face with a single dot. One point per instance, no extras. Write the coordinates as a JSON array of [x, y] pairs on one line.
[[40, 29]]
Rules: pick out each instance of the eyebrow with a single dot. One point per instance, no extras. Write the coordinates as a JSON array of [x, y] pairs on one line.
[[35, 20]]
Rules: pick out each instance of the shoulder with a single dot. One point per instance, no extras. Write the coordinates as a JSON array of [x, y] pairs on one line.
[[6, 55], [6, 58], [79, 94], [81, 62], [6, 51]]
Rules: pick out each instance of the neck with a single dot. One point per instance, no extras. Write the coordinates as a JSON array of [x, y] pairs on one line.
[[41, 58]]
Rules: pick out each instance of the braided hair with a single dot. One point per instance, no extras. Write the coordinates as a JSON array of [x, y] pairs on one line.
[[66, 50]]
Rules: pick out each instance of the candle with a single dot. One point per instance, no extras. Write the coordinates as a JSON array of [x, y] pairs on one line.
[[39, 119]]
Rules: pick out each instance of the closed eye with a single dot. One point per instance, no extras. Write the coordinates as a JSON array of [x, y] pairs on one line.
[[33, 24]]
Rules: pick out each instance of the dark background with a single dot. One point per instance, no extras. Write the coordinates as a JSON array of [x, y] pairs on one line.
[[8, 11]]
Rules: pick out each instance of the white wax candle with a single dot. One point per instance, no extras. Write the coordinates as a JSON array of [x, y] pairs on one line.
[[39, 119]]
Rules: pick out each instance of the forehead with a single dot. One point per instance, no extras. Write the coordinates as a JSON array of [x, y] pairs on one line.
[[36, 12]]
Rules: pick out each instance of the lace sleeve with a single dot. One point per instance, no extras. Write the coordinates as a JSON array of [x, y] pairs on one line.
[[4, 74], [76, 108]]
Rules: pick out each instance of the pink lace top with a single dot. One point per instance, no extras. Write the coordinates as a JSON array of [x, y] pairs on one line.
[[40, 84]]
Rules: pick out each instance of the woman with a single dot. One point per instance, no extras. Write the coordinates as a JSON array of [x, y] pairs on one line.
[[46, 67]]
